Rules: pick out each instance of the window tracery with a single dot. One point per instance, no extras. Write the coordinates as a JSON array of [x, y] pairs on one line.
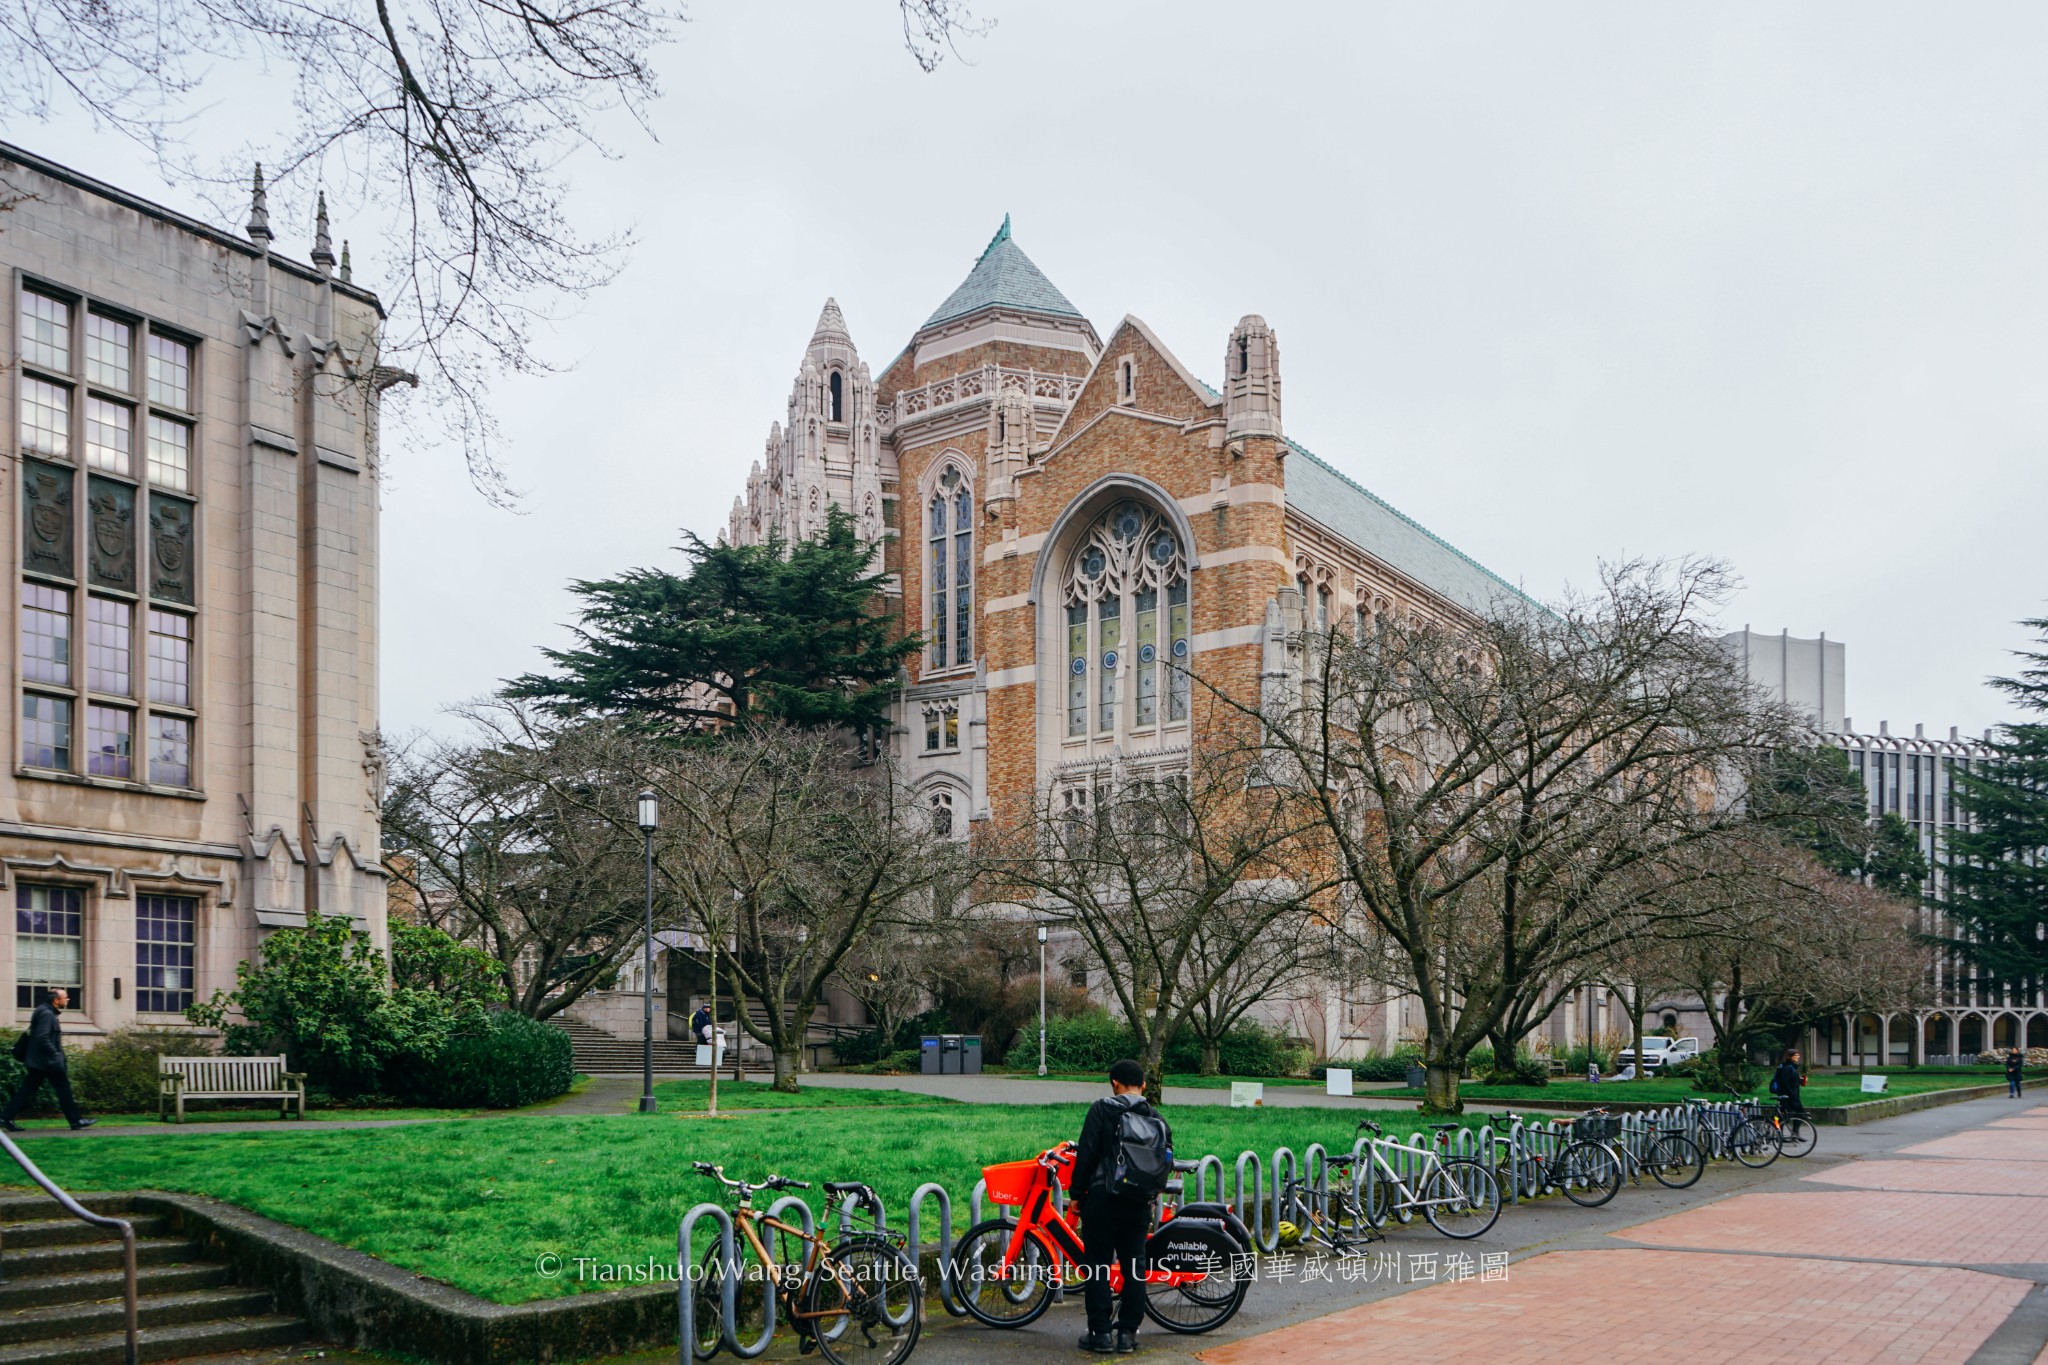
[[950, 567], [1126, 599]]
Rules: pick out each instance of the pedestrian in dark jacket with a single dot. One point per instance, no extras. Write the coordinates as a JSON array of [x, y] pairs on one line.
[[1113, 1226], [700, 1024], [2015, 1065], [1785, 1084], [44, 1058]]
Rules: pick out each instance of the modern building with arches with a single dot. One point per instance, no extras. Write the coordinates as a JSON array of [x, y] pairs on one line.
[[1074, 523]]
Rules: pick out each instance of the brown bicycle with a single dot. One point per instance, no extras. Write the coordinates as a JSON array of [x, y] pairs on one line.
[[857, 1302]]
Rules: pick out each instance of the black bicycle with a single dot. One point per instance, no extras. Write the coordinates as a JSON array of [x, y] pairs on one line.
[[1795, 1132]]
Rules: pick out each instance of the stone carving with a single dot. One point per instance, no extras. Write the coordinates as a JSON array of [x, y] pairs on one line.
[[46, 519], [170, 549], [110, 508], [373, 770]]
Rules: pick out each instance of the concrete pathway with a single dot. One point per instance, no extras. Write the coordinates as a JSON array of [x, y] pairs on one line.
[[1000, 1088], [1931, 1246]]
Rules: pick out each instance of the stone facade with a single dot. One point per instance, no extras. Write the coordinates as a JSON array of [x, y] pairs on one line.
[[1064, 518], [192, 431]]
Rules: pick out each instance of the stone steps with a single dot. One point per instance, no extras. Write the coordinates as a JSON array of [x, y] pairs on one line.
[[61, 1291]]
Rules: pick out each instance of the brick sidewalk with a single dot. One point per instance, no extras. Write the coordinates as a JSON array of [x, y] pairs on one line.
[[1895, 1258]]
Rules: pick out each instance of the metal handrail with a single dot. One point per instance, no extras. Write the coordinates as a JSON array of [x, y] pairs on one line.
[[99, 1220]]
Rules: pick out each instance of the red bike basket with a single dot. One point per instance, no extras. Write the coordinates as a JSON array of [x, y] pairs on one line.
[[1010, 1182]]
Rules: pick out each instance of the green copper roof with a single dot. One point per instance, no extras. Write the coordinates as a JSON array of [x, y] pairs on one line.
[[1003, 277]]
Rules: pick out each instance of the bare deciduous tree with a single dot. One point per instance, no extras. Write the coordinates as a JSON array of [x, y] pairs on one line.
[[1145, 868], [495, 839], [457, 118], [1496, 788]]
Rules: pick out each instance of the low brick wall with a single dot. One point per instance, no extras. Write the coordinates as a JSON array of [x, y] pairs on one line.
[[358, 1301]]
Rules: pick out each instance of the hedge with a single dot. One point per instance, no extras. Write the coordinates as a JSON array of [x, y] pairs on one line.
[[512, 1062]]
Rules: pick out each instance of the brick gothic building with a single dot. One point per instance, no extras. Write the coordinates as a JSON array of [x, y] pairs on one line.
[[191, 433], [1063, 513]]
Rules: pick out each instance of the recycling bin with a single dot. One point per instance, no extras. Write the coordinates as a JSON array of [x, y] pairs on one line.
[[928, 1056], [970, 1055], [949, 1054]]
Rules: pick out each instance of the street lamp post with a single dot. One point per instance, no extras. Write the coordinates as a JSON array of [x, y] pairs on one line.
[[650, 821], [1041, 999]]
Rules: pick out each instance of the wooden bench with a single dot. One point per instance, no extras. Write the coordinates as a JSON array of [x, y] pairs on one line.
[[227, 1078]]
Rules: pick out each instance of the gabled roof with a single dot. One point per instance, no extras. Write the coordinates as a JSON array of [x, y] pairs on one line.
[[1322, 494], [1004, 277]]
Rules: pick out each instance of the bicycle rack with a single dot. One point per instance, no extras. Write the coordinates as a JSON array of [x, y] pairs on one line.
[[1201, 1175], [1280, 1185], [974, 1199], [1254, 1213], [949, 1292], [1315, 1162], [686, 1305]]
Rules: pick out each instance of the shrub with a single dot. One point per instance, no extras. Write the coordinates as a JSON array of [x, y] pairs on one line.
[[1707, 1075], [1247, 1049], [1374, 1066], [1090, 1041], [508, 1063], [13, 1073], [1524, 1068], [118, 1075]]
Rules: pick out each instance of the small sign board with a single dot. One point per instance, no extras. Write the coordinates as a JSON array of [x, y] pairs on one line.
[[1337, 1081], [1247, 1094], [1874, 1085]]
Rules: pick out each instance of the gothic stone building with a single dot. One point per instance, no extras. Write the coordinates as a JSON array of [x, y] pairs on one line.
[[191, 426], [1062, 515]]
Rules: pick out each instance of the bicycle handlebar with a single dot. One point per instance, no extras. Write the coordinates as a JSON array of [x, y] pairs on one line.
[[1377, 1131], [773, 1182]]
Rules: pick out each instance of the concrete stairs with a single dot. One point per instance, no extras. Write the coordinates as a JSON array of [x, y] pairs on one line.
[[60, 1291], [604, 1054]]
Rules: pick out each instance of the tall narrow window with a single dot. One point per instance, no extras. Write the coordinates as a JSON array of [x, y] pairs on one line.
[[107, 651], [951, 541], [838, 387], [164, 939], [109, 741], [45, 732], [45, 332], [1322, 608], [170, 453], [170, 658], [108, 343], [1121, 650], [170, 750], [109, 428], [45, 634], [45, 419], [170, 373], [49, 943]]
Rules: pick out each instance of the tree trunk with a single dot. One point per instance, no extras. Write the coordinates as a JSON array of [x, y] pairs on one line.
[[1440, 1084], [1212, 1057], [1153, 1058], [787, 1058]]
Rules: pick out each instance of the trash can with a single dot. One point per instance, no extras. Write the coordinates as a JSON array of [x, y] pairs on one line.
[[970, 1055], [928, 1056], [949, 1054], [1417, 1077]]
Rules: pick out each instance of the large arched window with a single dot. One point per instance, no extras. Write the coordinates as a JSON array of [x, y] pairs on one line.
[[836, 400], [1126, 596], [951, 568]]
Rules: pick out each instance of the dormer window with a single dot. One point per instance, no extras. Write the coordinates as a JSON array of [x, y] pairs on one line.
[[836, 399]]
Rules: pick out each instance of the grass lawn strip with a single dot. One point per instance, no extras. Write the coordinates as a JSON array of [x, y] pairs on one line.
[[474, 1204], [692, 1096]]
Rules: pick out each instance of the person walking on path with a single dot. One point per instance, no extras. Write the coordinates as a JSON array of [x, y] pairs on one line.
[[2015, 1065], [1113, 1225], [41, 1050], [1785, 1084], [700, 1024]]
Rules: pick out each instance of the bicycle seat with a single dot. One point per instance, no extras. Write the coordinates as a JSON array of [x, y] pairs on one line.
[[844, 1187], [1186, 1165], [1446, 1127]]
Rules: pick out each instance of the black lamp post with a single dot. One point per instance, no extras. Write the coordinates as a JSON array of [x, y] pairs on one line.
[[650, 821]]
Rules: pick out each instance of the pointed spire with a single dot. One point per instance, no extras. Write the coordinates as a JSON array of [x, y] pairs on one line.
[[347, 275], [1002, 235], [259, 210], [831, 325], [323, 245]]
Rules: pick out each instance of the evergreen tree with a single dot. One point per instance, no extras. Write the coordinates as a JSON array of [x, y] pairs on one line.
[[794, 631], [1817, 802], [1997, 865]]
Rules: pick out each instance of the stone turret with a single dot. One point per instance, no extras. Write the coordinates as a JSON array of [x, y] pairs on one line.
[[1251, 385]]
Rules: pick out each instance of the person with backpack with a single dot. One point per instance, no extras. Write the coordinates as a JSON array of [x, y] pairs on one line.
[[1123, 1161], [1786, 1081]]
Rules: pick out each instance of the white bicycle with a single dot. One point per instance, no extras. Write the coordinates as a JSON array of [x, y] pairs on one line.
[[1459, 1197]]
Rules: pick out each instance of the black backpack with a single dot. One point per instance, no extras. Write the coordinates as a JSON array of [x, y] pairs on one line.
[[1142, 1163]]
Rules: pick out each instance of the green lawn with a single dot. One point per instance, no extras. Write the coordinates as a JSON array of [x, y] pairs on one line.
[[195, 1115], [475, 1203], [1191, 1082], [1824, 1091], [691, 1096]]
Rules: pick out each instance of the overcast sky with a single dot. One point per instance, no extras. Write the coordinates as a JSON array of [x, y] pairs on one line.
[[1563, 283]]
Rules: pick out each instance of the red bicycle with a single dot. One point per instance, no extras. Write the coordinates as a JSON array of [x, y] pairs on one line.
[[1007, 1269]]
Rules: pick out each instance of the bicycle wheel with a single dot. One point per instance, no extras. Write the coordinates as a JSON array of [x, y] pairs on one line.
[[1462, 1199], [1589, 1173], [1797, 1136], [1756, 1144], [1193, 1284], [1375, 1198], [1676, 1161], [708, 1299], [863, 1304], [999, 1295]]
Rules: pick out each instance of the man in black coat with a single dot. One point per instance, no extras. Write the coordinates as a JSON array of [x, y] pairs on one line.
[[2015, 1068], [44, 1059], [1785, 1084], [1113, 1226]]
